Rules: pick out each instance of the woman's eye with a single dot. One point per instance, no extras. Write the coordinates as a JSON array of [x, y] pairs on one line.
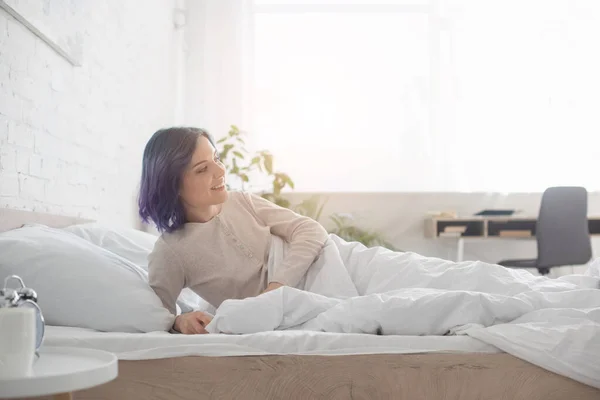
[[201, 170]]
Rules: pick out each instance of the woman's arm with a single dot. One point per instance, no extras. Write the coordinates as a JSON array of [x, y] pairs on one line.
[[306, 238], [165, 275], [167, 278]]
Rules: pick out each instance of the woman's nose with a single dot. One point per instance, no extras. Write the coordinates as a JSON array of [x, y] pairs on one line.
[[220, 171]]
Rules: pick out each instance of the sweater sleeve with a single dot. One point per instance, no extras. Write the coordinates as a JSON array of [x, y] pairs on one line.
[[165, 275], [306, 238]]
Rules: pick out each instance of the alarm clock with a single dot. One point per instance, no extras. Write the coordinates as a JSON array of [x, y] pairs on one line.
[[24, 297]]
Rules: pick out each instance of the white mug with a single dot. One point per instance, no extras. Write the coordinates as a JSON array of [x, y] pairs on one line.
[[17, 342]]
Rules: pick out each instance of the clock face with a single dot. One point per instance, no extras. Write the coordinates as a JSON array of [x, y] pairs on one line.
[[39, 322]]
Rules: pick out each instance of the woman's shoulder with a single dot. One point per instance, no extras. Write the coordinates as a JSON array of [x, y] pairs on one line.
[[167, 241], [240, 206], [238, 199], [239, 195], [238, 202], [162, 243], [161, 252], [176, 245]]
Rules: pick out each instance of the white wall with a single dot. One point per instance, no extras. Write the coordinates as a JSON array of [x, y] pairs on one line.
[[400, 217], [215, 34], [71, 138]]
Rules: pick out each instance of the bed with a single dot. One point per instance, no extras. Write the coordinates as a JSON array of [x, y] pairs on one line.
[[304, 365]]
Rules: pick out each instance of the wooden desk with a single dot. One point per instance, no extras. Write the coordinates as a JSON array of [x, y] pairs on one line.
[[488, 227]]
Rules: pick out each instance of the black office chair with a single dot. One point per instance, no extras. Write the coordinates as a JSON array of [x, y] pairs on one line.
[[562, 231]]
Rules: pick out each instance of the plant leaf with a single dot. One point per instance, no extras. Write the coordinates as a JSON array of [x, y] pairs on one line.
[[268, 196], [234, 131], [280, 201], [268, 163], [337, 221], [320, 211], [238, 154], [223, 139], [223, 154], [276, 187], [287, 180]]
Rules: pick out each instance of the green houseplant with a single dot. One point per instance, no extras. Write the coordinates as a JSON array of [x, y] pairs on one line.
[[344, 225], [345, 228], [243, 166], [240, 164]]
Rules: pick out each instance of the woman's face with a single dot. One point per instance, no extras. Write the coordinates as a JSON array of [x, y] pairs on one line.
[[203, 183]]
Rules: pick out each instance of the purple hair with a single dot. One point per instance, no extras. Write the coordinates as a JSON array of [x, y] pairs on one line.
[[167, 154]]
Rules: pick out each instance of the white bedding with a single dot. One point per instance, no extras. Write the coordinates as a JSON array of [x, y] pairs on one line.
[[553, 323], [144, 346]]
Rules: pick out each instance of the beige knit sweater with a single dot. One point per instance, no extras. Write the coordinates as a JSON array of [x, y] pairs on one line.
[[226, 257]]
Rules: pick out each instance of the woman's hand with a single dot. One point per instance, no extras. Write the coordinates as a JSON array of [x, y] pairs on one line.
[[192, 323], [272, 286]]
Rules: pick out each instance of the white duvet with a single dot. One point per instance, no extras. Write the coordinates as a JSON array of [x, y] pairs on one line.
[[553, 323]]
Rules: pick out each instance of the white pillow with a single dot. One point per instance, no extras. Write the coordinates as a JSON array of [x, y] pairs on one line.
[[135, 246], [80, 284], [131, 244]]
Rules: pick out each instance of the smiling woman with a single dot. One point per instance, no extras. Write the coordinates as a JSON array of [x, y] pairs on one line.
[[215, 243], [181, 171], [203, 183]]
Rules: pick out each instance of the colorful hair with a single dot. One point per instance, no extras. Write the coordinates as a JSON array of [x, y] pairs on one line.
[[167, 154]]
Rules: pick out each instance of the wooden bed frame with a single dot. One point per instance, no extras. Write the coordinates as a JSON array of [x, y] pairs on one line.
[[381, 376]]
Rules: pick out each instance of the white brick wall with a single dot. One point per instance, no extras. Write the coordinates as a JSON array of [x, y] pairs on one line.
[[71, 138]]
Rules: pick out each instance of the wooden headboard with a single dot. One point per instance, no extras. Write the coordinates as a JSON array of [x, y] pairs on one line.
[[12, 219]]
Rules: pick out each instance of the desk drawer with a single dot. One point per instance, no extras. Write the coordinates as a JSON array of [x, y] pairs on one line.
[[460, 228], [511, 228]]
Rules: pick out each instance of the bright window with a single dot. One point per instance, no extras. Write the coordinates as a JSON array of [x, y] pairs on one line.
[[407, 96]]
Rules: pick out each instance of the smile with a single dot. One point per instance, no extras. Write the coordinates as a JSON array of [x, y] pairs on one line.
[[219, 187]]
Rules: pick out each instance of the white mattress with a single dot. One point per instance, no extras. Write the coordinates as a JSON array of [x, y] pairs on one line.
[[143, 346]]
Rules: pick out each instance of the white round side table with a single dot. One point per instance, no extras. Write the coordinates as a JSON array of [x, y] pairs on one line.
[[60, 371]]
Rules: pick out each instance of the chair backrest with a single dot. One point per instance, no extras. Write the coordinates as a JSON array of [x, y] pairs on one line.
[[562, 229]]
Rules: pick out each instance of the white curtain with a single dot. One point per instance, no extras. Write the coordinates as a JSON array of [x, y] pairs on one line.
[[400, 95]]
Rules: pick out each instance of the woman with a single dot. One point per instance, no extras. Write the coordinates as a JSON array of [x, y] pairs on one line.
[[214, 242]]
